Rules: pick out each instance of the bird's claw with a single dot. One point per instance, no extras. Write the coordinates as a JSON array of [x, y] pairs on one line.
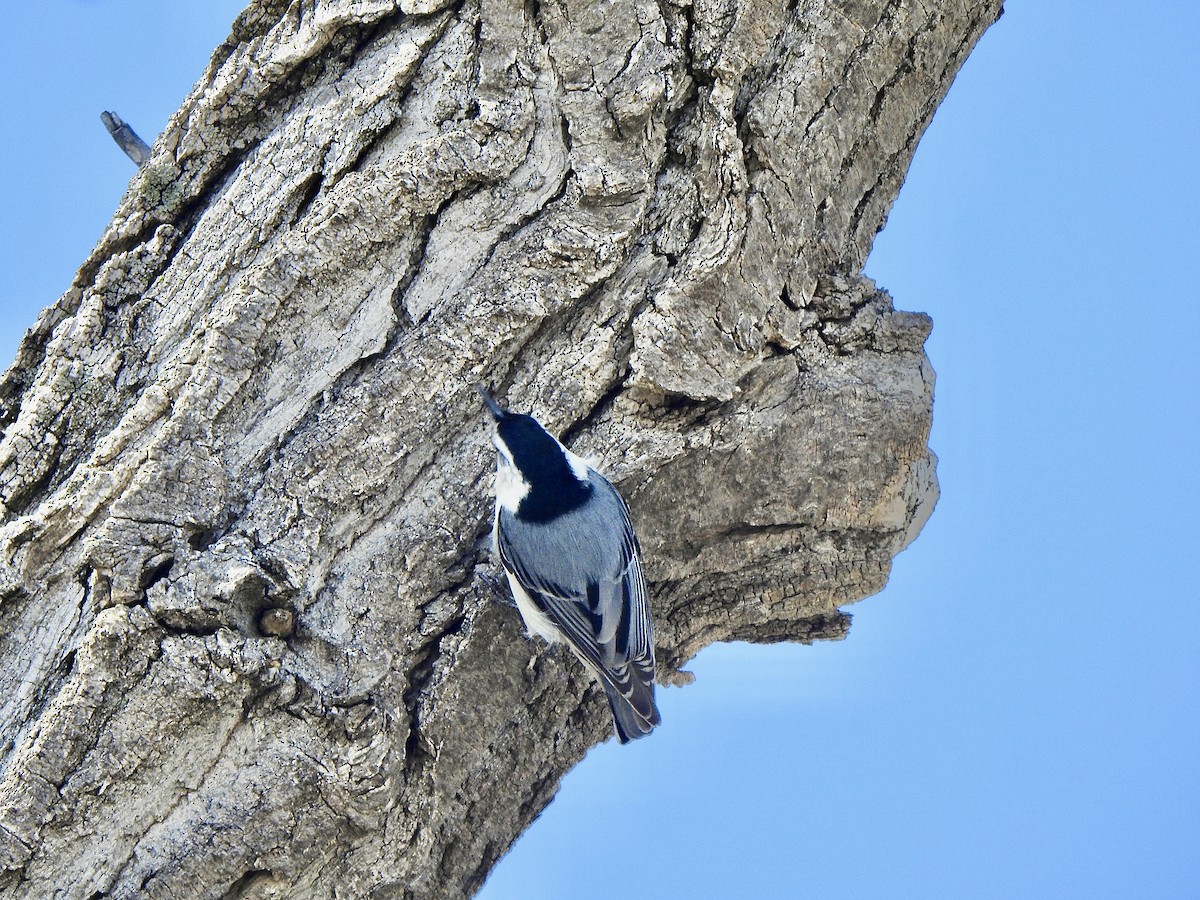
[[497, 588]]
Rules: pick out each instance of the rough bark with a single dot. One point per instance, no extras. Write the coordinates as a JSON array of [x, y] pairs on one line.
[[245, 644]]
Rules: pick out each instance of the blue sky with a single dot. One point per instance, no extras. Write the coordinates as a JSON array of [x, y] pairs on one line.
[[1018, 713]]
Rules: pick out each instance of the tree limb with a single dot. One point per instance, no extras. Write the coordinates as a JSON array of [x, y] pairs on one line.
[[244, 645]]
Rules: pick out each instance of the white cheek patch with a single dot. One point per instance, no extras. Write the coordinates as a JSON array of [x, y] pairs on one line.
[[579, 466], [511, 488]]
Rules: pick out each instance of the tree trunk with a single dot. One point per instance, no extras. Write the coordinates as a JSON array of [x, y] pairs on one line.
[[245, 644]]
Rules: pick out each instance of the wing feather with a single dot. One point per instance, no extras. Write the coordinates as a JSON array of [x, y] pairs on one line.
[[606, 622]]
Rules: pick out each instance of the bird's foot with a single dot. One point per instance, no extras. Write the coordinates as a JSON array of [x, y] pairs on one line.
[[497, 588]]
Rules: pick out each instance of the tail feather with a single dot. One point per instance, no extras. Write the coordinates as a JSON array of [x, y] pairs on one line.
[[633, 722]]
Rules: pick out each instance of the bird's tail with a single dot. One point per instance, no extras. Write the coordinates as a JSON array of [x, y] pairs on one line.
[[635, 716]]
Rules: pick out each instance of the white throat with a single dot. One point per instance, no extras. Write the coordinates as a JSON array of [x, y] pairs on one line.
[[511, 488]]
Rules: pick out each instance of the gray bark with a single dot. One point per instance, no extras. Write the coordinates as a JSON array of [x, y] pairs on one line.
[[245, 644]]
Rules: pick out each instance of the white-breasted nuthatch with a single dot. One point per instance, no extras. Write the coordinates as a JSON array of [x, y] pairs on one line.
[[573, 562]]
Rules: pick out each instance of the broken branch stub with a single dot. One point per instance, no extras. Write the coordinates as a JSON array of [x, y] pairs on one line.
[[126, 138]]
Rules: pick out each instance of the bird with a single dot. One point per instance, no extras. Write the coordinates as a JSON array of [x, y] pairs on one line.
[[567, 545]]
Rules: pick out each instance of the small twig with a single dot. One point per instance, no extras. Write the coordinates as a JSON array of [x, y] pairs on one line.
[[135, 148]]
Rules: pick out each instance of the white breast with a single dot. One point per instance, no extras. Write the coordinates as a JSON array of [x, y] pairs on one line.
[[536, 622]]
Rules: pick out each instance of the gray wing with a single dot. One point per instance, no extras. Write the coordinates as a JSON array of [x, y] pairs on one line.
[[590, 584]]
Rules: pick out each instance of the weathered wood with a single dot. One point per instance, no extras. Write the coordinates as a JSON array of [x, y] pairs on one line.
[[245, 648], [126, 138]]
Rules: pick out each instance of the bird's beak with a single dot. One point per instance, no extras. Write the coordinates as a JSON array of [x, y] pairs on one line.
[[494, 408]]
